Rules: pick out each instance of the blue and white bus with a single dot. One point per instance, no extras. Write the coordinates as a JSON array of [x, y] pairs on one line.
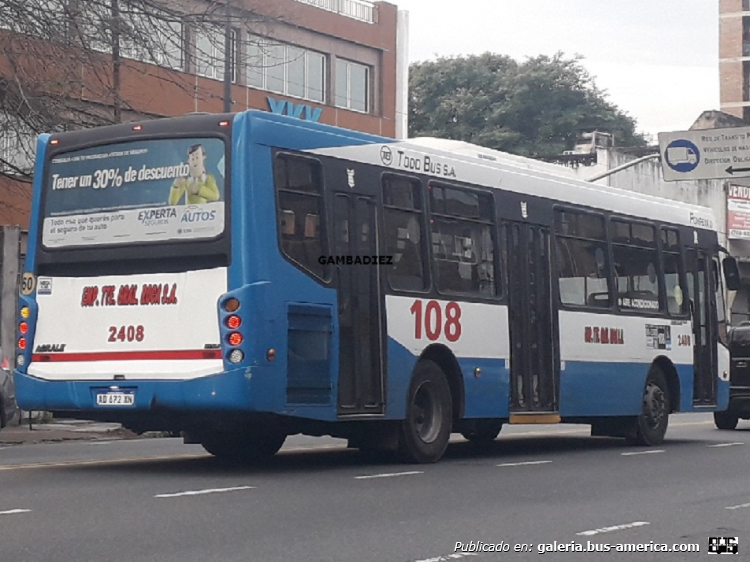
[[245, 277]]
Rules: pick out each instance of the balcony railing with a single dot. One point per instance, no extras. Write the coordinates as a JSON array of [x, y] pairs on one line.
[[357, 9]]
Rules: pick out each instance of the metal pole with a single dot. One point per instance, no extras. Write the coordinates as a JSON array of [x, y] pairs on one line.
[[228, 59], [623, 167], [116, 63]]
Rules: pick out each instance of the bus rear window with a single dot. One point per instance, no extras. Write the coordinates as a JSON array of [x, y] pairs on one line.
[[135, 192]]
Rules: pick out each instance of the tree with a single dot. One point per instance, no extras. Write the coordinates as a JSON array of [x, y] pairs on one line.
[[62, 62], [534, 108]]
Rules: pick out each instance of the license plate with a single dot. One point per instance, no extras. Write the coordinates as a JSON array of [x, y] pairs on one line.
[[115, 399]]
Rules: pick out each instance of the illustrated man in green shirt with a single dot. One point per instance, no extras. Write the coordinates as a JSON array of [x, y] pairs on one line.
[[199, 186]]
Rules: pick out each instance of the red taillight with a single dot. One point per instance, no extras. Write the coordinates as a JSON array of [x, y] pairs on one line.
[[23, 327], [21, 343], [235, 338], [234, 322], [5, 364]]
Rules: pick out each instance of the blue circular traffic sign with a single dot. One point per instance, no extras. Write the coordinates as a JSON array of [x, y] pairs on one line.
[[682, 155]]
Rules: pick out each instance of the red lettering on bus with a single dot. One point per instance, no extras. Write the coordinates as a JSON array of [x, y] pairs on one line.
[[431, 322]]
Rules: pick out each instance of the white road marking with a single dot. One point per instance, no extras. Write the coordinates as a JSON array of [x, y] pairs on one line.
[[741, 506], [202, 492], [388, 475], [725, 444], [613, 528], [456, 556], [651, 452], [101, 442], [527, 463], [14, 511]]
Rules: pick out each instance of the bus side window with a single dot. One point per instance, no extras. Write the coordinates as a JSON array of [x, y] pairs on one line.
[[636, 266], [673, 272], [582, 263], [404, 233], [300, 207], [462, 243]]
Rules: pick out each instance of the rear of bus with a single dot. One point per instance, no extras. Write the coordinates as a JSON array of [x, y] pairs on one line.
[[123, 303]]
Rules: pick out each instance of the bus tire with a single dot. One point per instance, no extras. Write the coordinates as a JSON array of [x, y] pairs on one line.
[[424, 434], [482, 432], [243, 447], [725, 420], [651, 426]]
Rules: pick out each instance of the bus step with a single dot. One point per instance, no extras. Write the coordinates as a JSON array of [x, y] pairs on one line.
[[534, 417]]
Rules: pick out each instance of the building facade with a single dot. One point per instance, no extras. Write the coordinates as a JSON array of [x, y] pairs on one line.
[[340, 62], [734, 57]]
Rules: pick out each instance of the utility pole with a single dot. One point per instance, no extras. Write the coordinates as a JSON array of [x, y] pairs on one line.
[[228, 58]]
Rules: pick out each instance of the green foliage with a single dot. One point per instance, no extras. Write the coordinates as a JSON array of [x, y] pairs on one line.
[[534, 108]]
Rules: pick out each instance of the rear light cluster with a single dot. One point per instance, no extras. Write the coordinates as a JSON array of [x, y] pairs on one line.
[[23, 328], [233, 322]]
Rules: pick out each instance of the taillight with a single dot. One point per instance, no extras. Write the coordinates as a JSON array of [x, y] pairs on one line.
[[22, 343], [23, 327], [233, 322], [235, 338], [25, 312], [231, 305]]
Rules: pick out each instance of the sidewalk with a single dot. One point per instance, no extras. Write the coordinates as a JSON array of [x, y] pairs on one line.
[[62, 430]]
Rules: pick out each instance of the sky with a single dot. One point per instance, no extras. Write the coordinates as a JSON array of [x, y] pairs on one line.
[[657, 59]]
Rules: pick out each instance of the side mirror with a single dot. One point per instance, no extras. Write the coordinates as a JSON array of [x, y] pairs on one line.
[[731, 273]]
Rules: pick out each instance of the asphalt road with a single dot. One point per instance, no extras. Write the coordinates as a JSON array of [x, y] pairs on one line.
[[159, 500]]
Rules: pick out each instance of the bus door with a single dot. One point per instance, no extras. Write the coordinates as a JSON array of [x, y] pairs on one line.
[[534, 364], [360, 312], [704, 327]]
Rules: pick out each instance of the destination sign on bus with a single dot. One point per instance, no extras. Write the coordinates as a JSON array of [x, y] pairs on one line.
[[142, 191]]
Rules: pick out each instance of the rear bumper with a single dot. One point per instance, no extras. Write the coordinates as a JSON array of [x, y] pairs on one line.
[[225, 391]]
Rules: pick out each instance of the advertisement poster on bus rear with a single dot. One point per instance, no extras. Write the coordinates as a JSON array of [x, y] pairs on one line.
[[140, 191], [738, 212]]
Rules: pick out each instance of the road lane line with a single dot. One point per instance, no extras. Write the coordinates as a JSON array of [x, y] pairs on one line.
[[613, 528], [204, 492], [741, 506], [527, 463], [726, 444], [388, 475], [455, 556], [14, 511], [651, 452]]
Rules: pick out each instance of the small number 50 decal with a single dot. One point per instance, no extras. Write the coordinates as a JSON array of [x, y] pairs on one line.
[[431, 321]]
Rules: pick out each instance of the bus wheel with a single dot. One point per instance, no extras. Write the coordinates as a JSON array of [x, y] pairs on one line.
[[725, 420], [651, 425], [424, 434], [243, 447], [482, 432]]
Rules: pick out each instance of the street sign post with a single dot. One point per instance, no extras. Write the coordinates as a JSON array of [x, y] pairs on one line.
[[707, 154]]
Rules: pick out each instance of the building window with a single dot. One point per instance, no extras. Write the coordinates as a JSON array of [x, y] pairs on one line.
[[17, 145], [286, 69], [150, 37], [352, 86], [210, 56]]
